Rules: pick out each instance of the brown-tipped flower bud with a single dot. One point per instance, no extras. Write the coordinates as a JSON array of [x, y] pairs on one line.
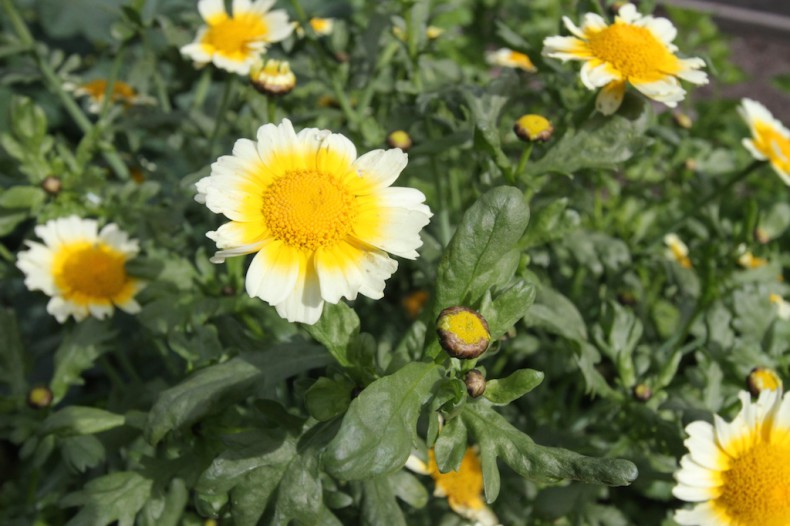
[[642, 392], [475, 383], [682, 120], [274, 77], [52, 185], [39, 397], [763, 379], [399, 139], [533, 128], [463, 332]]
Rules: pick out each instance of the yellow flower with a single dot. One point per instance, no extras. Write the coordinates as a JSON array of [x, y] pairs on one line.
[[507, 58], [433, 32], [635, 49], [738, 473], [234, 43], [322, 26], [274, 77], [463, 488], [748, 260], [533, 128], [782, 306], [94, 90], [770, 139], [677, 250], [81, 268], [320, 219]]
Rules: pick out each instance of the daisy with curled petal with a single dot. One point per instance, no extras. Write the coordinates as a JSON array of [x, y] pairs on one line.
[[770, 138], [507, 58], [635, 49], [738, 473], [81, 268], [234, 43], [319, 219], [463, 488]]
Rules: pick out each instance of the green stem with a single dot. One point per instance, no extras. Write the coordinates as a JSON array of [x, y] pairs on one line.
[[202, 89], [384, 59], [222, 111], [127, 366], [271, 109], [522, 162], [112, 373]]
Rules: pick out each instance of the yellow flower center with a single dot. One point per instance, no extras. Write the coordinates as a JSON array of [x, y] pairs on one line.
[[86, 272], [307, 209], [96, 89], [756, 489], [463, 487], [232, 36], [321, 26], [633, 51], [772, 144], [465, 325]]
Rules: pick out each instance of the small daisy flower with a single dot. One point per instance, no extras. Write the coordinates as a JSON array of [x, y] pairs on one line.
[[507, 58], [95, 89], [635, 49], [782, 306], [463, 488], [319, 219], [770, 138], [748, 260], [273, 77], [81, 268], [677, 250], [738, 473], [234, 43]]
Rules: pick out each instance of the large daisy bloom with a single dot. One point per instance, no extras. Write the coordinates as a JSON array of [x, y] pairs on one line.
[[770, 139], [634, 49], [463, 488], [738, 473], [235, 43], [319, 219], [81, 268]]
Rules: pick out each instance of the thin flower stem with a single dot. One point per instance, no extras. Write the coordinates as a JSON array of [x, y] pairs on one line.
[[271, 109], [55, 85], [222, 111], [202, 89], [522, 162], [112, 372]]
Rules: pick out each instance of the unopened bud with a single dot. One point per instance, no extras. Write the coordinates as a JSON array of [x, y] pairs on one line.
[[463, 332], [433, 32], [52, 185], [682, 120], [274, 77], [475, 383], [763, 379], [642, 392], [39, 397], [399, 139], [414, 303], [322, 26], [533, 128]]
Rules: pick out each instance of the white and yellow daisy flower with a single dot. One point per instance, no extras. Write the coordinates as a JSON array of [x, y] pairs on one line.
[[748, 260], [770, 138], [273, 77], [234, 43], [738, 473], [319, 219], [782, 306], [507, 58], [94, 90], [677, 250], [635, 49], [81, 268], [463, 488]]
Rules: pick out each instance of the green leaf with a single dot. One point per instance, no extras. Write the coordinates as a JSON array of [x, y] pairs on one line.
[[508, 307], [82, 452], [214, 388], [12, 365], [505, 390], [487, 234], [21, 197], [451, 445], [378, 503], [497, 438], [409, 489], [166, 509], [328, 398], [556, 314], [79, 420], [549, 223], [114, 497], [299, 496], [77, 353], [617, 336], [600, 142], [378, 430], [337, 328], [28, 121]]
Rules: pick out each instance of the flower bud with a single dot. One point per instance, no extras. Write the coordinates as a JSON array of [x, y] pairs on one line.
[[433, 32], [414, 302], [399, 139], [322, 26], [52, 185], [463, 332], [533, 128], [475, 383], [39, 397], [763, 379], [682, 120], [642, 392], [274, 77]]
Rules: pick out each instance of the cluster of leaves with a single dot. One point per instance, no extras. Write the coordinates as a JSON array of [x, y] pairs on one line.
[[208, 405]]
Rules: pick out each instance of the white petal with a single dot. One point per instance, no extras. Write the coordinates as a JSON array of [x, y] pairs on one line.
[[381, 168], [591, 23], [277, 143], [304, 304], [565, 48], [400, 234], [667, 90], [273, 273], [211, 8], [573, 28], [279, 26], [594, 75], [610, 98], [663, 29], [628, 14]]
